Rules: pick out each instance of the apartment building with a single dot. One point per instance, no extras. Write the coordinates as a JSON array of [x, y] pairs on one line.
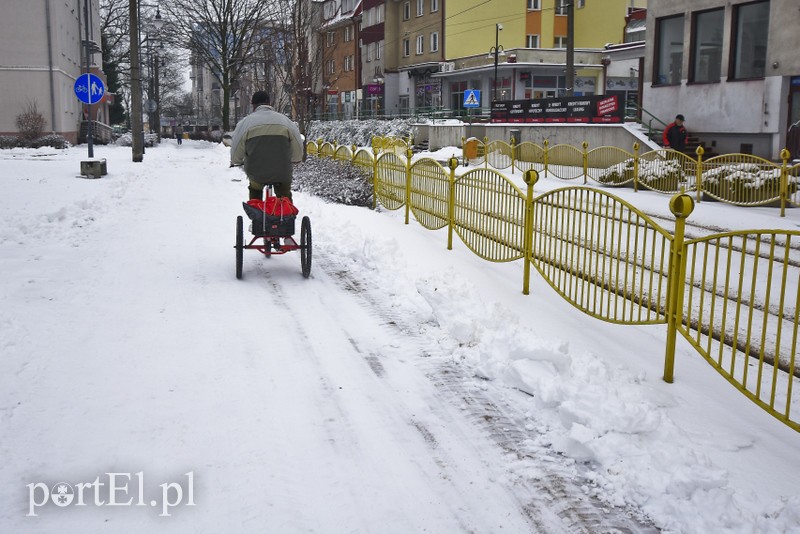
[[530, 38], [731, 67], [341, 59], [373, 42], [414, 48], [41, 56]]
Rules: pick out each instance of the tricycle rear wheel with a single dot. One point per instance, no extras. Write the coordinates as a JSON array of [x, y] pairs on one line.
[[305, 246], [239, 246]]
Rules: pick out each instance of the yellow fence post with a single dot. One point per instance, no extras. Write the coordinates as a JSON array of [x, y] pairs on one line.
[[585, 145], [408, 182], [513, 144], [485, 153], [681, 205], [531, 177], [353, 149], [785, 155], [699, 179], [335, 146], [374, 178], [451, 202], [546, 145], [635, 167]]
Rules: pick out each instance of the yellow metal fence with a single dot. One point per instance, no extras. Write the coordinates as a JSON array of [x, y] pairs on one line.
[[740, 179], [733, 296]]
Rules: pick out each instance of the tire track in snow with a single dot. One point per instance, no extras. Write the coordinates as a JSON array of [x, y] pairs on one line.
[[553, 497]]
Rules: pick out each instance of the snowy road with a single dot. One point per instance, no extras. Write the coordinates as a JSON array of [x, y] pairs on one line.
[[341, 403]]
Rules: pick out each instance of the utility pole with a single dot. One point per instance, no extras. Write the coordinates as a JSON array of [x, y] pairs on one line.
[[89, 132], [137, 141], [570, 48]]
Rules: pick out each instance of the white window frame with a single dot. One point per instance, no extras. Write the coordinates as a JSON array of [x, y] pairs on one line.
[[532, 40], [560, 39], [534, 5], [581, 4], [434, 41], [370, 51], [420, 7], [407, 10], [406, 47], [420, 45], [561, 7], [331, 40], [378, 48], [434, 6], [380, 14], [348, 33], [331, 66]]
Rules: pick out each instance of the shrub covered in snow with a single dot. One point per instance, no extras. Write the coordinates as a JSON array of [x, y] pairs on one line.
[[337, 181], [9, 141], [358, 132], [52, 140], [126, 139]]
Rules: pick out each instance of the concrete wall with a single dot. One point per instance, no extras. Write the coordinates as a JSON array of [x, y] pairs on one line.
[[439, 136]]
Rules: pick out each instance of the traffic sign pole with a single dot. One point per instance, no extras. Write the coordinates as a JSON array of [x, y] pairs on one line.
[[89, 130]]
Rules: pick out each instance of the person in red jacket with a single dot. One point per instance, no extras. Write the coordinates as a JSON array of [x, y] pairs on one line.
[[675, 135]]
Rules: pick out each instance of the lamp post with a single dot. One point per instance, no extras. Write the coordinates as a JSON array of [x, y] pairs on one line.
[[137, 142], [495, 51]]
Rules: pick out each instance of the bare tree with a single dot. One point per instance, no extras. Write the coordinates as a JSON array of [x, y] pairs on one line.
[[222, 34]]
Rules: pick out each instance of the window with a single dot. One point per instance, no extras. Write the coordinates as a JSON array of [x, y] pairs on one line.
[[348, 33], [331, 66], [348, 63], [561, 7], [435, 42], [560, 41], [749, 40], [378, 48], [331, 38], [534, 4], [368, 14], [420, 44], [379, 14], [531, 41], [406, 47], [434, 6], [669, 50], [406, 10], [348, 5], [706, 55], [581, 4], [420, 7], [370, 51]]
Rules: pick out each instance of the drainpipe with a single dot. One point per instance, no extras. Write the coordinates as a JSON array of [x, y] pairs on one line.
[[50, 68]]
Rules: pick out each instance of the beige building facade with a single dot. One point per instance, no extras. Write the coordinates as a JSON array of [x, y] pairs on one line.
[[41, 56]]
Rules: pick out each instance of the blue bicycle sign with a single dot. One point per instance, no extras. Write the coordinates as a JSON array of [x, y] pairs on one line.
[[89, 88]]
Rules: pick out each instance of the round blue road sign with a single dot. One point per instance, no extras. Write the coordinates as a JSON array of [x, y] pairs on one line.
[[89, 88]]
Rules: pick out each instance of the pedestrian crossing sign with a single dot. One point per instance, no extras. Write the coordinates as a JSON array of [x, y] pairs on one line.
[[472, 98]]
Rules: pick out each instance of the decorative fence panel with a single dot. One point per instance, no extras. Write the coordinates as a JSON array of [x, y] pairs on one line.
[[565, 162], [529, 156], [666, 171], [610, 166], [489, 215], [390, 181], [792, 179], [343, 153], [603, 255], [742, 179], [430, 193], [741, 300], [499, 154]]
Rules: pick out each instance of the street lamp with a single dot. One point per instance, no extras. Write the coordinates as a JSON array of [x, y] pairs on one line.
[[495, 51], [137, 128]]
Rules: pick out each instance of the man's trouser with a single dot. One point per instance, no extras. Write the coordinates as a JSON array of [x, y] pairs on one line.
[[282, 189]]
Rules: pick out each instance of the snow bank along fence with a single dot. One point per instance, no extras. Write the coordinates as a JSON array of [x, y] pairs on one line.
[[733, 296], [740, 179]]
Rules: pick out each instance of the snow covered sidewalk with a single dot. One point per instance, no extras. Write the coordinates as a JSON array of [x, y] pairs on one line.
[[403, 388]]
